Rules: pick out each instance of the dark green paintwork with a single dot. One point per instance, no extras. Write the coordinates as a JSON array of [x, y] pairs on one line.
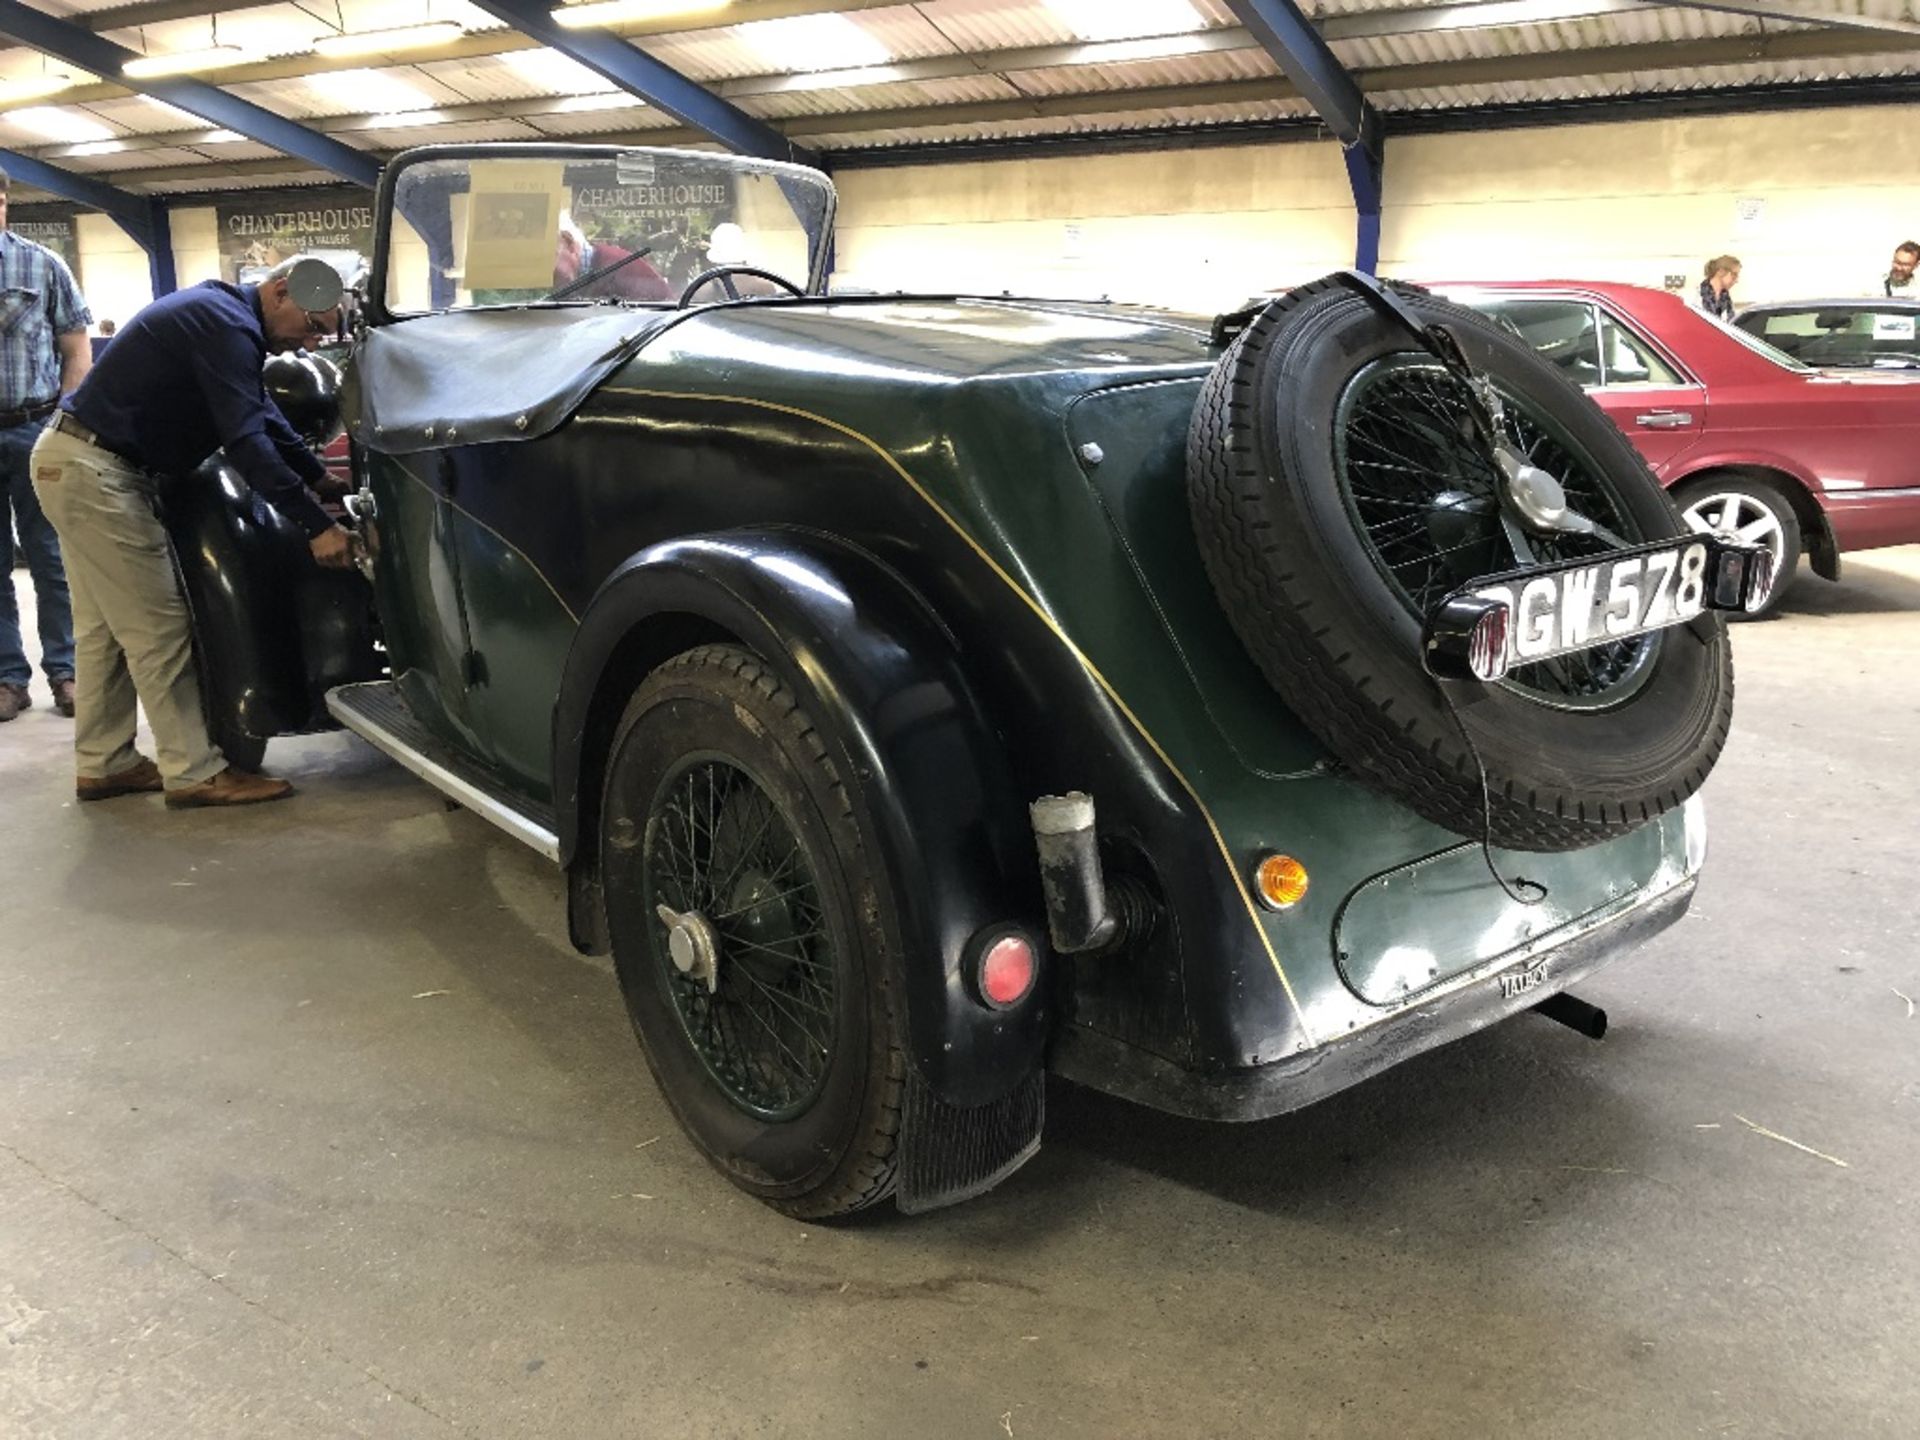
[[985, 405]]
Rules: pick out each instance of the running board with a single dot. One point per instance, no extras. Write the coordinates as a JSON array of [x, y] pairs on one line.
[[375, 712]]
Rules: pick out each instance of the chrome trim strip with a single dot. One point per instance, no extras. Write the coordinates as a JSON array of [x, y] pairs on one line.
[[442, 779], [1903, 492]]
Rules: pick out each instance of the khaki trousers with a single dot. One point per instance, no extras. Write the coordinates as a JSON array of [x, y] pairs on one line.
[[132, 635]]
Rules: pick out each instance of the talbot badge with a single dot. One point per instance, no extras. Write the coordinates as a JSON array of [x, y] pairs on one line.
[[1528, 977]]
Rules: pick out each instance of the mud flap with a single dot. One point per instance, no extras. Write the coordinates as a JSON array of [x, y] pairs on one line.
[[948, 1154]]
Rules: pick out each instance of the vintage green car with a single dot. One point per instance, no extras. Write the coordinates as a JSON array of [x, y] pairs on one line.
[[925, 693]]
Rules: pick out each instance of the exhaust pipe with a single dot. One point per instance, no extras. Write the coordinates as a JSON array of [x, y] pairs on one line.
[[1575, 1014]]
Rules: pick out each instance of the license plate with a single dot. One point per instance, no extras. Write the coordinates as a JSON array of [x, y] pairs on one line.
[[1615, 597]]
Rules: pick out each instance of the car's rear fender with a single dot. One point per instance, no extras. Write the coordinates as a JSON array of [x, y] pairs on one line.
[[885, 683]]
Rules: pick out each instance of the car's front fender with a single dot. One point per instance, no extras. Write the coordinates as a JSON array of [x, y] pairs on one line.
[[884, 681]]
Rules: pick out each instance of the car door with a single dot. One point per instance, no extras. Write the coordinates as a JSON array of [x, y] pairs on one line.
[[418, 586], [1658, 407]]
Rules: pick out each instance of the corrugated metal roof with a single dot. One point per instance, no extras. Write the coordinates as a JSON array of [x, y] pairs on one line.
[[944, 34]]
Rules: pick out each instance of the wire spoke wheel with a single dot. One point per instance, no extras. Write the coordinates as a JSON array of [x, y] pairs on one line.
[[761, 1015], [1425, 496]]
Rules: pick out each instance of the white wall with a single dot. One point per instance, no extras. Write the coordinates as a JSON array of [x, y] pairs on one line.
[[1828, 194], [1831, 192], [113, 269], [196, 244], [1199, 229]]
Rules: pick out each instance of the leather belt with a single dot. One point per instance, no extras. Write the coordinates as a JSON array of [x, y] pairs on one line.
[[66, 424], [9, 419]]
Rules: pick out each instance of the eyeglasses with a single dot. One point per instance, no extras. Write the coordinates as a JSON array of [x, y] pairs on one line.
[[321, 322]]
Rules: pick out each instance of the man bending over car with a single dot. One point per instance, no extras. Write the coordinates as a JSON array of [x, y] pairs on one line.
[[181, 380]]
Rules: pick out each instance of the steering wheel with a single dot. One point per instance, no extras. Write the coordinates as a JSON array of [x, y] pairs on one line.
[[724, 275]]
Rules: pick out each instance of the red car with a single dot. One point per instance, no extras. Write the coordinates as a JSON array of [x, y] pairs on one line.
[[1749, 441]]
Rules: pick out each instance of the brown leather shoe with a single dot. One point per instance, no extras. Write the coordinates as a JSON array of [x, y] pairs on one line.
[[13, 699], [63, 695], [229, 787], [138, 778]]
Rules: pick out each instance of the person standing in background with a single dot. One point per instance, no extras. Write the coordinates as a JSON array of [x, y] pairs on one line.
[[1716, 291], [99, 342], [43, 355], [1898, 281]]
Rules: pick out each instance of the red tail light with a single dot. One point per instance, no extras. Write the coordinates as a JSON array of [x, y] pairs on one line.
[[1005, 970]]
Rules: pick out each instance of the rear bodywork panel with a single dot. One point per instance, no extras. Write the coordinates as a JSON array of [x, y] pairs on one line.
[[1016, 471]]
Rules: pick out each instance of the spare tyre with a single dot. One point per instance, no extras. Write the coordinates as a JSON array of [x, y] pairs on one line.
[[1340, 490]]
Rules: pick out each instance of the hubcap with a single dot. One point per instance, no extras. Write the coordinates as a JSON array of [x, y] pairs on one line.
[[1434, 509], [1735, 516], [744, 952], [1540, 499], [692, 945]]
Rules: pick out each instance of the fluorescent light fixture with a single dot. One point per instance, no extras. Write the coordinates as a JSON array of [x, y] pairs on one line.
[[54, 123], [386, 42], [221, 137], [814, 42], [611, 100], [32, 87], [184, 62], [1126, 19], [622, 12], [405, 120], [96, 147]]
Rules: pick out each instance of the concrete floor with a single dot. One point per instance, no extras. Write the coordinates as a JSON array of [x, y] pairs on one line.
[[312, 1124]]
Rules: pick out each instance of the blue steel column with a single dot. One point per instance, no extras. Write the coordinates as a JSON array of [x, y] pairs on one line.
[[160, 250], [1296, 47], [142, 218], [68, 42], [1364, 166]]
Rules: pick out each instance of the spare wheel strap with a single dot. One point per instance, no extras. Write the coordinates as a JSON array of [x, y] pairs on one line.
[[1438, 341]]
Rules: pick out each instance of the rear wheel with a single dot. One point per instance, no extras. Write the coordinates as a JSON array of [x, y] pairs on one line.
[[1749, 508], [1340, 491], [747, 932]]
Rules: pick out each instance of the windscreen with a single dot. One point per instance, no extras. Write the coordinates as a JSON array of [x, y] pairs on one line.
[[514, 226]]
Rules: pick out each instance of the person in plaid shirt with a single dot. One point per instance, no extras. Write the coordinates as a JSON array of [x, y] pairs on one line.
[[43, 354]]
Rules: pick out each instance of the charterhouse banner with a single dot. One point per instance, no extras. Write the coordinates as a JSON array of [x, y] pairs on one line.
[[261, 228], [51, 226], [668, 207]]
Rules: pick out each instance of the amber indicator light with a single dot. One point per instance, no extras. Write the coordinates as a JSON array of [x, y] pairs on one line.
[[1281, 881]]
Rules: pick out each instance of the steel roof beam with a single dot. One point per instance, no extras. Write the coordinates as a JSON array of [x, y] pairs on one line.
[[1316, 73], [1799, 14], [1418, 20], [985, 62], [80, 47], [654, 81], [142, 217], [1549, 65]]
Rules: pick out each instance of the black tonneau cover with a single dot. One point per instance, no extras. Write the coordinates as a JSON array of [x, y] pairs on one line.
[[468, 377]]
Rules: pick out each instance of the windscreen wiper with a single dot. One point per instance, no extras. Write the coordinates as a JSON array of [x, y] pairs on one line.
[[592, 275]]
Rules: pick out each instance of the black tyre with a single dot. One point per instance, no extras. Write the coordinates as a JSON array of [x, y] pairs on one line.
[[1750, 508], [1339, 492], [768, 1008]]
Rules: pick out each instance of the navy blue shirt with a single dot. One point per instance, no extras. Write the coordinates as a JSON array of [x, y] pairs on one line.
[[182, 379]]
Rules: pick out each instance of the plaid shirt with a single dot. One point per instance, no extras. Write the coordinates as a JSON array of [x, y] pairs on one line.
[[38, 301]]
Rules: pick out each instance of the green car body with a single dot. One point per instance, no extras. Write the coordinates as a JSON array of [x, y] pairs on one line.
[[959, 527]]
